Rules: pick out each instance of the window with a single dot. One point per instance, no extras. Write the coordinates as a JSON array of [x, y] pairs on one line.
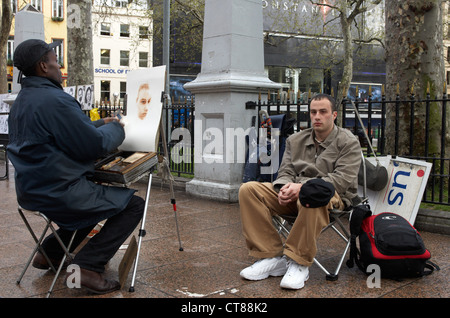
[[124, 58], [297, 80], [59, 50], [121, 3], [123, 90], [105, 56], [310, 79], [125, 30], [14, 6], [10, 50], [105, 28], [57, 9], [143, 59], [105, 88], [37, 4], [143, 32]]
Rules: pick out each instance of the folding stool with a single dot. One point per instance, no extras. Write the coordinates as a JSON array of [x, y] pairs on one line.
[[38, 241]]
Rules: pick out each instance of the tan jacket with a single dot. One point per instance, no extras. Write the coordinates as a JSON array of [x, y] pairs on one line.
[[337, 160]]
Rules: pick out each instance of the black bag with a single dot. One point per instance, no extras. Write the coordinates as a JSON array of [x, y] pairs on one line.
[[389, 241]]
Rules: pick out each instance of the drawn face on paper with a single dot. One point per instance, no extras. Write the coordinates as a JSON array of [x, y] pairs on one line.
[[143, 100]]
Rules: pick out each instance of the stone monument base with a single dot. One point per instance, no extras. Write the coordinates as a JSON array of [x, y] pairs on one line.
[[213, 190]]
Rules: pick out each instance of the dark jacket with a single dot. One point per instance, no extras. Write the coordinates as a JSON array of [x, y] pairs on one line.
[[53, 146]]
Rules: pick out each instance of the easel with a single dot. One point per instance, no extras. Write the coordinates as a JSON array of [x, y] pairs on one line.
[[133, 248]]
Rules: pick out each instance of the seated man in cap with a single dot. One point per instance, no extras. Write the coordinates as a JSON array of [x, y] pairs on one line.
[[318, 171], [53, 146]]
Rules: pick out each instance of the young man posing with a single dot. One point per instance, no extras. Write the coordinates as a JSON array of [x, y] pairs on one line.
[[325, 161]]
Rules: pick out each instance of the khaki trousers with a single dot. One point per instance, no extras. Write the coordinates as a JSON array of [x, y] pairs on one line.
[[259, 201]]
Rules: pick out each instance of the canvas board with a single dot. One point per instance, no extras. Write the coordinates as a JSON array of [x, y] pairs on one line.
[[144, 109], [404, 191]]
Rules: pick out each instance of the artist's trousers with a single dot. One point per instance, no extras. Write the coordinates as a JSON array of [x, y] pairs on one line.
[[103, 246], [259, 201]]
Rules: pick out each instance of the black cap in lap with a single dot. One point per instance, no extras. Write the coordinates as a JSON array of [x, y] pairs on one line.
[[316, 193]]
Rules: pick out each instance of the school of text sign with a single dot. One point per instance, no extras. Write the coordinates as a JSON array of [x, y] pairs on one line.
[[118, 71]]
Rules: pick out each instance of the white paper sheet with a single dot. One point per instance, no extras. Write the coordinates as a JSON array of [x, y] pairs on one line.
[[144, 108]]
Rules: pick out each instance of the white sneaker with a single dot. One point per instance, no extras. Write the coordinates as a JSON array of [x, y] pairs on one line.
[[296, 276], [276, 266]]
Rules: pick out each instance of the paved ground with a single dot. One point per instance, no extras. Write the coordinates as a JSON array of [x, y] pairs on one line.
[[214, 253]]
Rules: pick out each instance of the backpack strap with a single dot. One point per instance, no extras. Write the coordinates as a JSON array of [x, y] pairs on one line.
[[431, 267], [360, 212]]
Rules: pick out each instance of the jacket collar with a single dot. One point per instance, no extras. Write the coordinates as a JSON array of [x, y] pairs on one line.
[[327, 140], [36, 81]]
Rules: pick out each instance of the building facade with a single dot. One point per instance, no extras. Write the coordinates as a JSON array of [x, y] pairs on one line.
[[121, 42], [55, 26], [303, 48]]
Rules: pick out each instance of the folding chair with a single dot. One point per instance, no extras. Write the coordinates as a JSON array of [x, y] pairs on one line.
[[38, 241], [283, 224]]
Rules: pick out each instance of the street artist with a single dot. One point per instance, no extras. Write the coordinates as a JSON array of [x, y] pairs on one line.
[[53, 146]]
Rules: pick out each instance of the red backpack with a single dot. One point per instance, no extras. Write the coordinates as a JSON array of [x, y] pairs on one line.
[[389, 241]]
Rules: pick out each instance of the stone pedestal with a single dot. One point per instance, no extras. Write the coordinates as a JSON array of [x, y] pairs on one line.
[[29, 24], [232, 74]]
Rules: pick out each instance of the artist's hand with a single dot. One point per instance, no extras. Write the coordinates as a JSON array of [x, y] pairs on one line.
[[289, 193], [110, 119]]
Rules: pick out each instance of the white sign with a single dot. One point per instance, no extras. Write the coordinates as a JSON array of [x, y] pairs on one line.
[[403, 193]]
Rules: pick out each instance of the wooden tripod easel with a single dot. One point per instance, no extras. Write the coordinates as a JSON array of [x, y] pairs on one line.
[[134, 248]]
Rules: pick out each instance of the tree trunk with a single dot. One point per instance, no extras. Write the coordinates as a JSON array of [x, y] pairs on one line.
[[4, 34], [414, 61], [347, 72], [80, 59]]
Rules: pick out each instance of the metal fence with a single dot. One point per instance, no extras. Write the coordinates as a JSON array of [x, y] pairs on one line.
[[372, 111]]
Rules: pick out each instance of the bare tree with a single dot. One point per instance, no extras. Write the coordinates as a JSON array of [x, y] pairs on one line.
[[186, 34], [5, 28], [334, 33], [348, 10]]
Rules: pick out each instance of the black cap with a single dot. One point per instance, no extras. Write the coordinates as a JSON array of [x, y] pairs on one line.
[[316, 193], [28, 53]]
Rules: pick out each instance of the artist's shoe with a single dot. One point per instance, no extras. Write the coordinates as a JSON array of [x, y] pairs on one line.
[[296, 276], [264, 268], [40, 262], [95, 282]]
